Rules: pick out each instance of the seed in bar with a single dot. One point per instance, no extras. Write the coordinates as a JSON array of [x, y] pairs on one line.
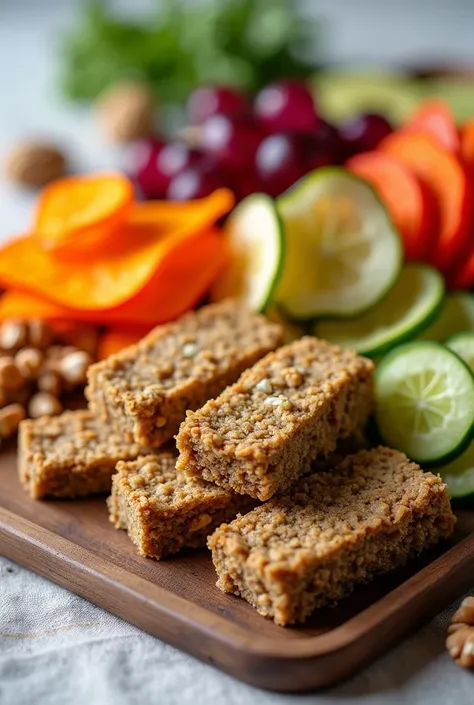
[[334, 530], [163, 510], [262, 433], [71, 455], [145, 390]]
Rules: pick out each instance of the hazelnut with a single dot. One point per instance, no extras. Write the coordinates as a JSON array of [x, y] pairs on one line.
[[73, 367], [44, 404], [10, 417], [28, 361], [126, 111], [13, 334], [50, 381], [53, 356], [19, 396], [81, 337], [11, 378], [34, 164], [41, 335]]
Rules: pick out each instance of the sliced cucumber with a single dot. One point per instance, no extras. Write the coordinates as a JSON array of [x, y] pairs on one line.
[[463, 345], [343, 254], [409, 307], [343, 94], [459, 475], [425, 401], [456, 315], [254, 232], [457, 93]]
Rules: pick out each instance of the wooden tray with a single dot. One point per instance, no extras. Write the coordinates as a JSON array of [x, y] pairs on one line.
[[74, 545]]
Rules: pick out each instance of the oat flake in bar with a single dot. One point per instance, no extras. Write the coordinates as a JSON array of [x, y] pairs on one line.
[[71, 455], [334, 530], [163, 510], [145, 390], [291, 408]]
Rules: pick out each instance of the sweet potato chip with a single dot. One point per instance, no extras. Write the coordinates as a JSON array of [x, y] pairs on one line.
[[184, 274], [144, 253]]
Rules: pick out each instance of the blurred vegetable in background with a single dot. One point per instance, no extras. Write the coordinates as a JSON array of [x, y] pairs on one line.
[[244, 43]]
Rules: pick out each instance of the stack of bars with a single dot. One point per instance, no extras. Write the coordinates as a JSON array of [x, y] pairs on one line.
[[260, 433]]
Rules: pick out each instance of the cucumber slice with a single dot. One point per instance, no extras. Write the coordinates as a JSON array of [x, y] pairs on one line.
[[463, 345], [409, 307], [343, 254], [425, 401], [456, 315], [459, 475], [254, 232], [343, 94], [457, 93]]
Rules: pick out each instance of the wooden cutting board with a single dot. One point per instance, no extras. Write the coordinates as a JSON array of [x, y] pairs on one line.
[[73, 544]]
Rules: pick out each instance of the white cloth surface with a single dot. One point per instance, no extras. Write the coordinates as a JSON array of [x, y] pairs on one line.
[[58, 649]]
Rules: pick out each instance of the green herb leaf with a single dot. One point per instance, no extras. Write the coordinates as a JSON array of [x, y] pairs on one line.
[[245, 43]]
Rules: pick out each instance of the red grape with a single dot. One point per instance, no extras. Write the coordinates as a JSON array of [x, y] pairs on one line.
[[285, 105], [330, 142], [246, 184], [232, 141], [176, 157], [212, 100], [141, 161], [279, 162], [364, 132], [193, 182]]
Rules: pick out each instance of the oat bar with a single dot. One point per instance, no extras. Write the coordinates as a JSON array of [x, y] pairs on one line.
[[163, 510], [71, 455], [334, 530], [145, 390], [290, 408]]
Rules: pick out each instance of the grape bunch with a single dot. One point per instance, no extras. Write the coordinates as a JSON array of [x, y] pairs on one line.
[[264, 146]]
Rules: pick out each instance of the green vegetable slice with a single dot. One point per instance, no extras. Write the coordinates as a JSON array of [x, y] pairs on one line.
[[463, 345], [456, 315], [425, 401], [254, 232], [409, 307], [343, 253], [459, 475], [342, 94]]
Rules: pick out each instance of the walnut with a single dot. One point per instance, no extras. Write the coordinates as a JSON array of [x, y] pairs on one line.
[[40, 333], [44, 404], [10, 417], [34, 164], [50, 381], [126, 112], [73, 366], [28, 361], [460, 641], [13, 334], [11, 378]]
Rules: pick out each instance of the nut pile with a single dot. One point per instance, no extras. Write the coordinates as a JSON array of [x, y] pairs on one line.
[[38, 366], [460, 641]]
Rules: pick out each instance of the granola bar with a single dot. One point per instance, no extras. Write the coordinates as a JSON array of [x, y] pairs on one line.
[[145, 390], [262, 433], [336, 529], [71, 455], [163, 510]]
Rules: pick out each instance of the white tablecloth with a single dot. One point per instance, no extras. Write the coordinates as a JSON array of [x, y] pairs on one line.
[[58, 649]]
